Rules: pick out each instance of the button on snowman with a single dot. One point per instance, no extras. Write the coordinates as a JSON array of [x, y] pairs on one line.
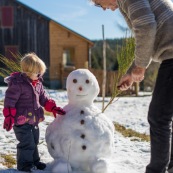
[[82, 139]]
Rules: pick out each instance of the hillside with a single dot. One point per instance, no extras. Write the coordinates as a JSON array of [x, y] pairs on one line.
[[111, 49]]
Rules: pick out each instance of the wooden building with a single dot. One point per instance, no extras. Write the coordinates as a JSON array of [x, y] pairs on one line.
[[23, 30]]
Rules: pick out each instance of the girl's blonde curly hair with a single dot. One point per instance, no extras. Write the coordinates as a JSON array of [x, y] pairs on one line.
[[31, 63]]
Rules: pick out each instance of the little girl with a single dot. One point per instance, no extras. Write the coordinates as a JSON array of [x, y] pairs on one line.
[[23, 104]]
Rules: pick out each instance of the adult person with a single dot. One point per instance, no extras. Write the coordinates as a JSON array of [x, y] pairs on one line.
[[151, 21]]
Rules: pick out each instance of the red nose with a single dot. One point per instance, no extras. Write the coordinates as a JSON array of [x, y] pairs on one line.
[[80, 88]]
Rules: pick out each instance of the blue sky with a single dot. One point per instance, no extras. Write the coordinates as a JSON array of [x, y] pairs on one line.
[[82, 17]]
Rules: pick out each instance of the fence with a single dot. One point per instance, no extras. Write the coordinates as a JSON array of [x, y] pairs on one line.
[[110, 80]]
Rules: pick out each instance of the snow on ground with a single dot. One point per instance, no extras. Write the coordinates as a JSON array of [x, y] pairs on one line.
[[131, 112], [130, 156]]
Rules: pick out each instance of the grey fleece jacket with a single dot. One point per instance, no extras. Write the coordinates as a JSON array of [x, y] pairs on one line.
[[151, 21]]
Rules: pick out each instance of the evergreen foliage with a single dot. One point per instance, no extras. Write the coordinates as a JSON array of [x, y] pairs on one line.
[[125, 57], [9, 65]]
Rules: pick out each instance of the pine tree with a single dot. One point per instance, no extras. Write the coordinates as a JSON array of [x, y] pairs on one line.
[[125, 57]]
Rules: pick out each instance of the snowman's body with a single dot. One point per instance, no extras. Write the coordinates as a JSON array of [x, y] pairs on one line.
[[82, 139]]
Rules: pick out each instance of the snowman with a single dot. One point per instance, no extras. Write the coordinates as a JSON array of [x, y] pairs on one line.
[[81, 140]]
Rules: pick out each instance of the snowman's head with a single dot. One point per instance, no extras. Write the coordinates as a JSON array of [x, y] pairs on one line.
[[82, 87]]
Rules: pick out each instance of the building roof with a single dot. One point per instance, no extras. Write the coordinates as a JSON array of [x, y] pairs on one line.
[[49, 19]]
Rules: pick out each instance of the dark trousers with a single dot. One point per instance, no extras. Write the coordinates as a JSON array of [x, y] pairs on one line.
[[160, 119], [27, 151]]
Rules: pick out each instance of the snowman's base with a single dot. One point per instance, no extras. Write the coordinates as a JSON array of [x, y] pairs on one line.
[[98, 166], [61, 166]]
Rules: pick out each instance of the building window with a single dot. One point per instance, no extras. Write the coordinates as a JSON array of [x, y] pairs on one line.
[[6, 17], [68, 57], [11, 50]]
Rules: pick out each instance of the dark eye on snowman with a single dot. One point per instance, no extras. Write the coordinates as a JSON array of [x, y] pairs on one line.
[[87, 81], [74, 80]]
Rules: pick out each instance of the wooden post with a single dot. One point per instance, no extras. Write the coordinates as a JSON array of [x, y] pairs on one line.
[[89, 61], [86, 64], [104, 69], [136, 88], [62, 73]]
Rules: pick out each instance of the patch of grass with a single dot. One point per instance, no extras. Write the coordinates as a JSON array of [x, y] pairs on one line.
[[135, 136], [9, 160]]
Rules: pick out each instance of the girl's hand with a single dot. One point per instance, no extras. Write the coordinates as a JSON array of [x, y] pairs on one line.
[[9, 114], [58, 110]]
